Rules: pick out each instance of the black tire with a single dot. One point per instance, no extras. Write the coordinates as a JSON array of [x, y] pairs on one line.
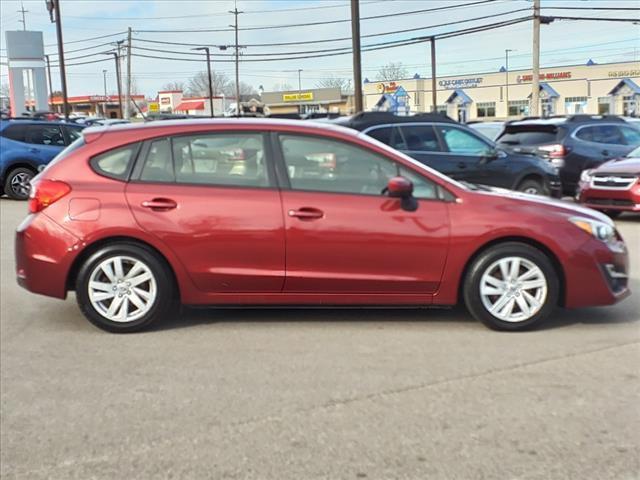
[[613, 213], [166, 297], [484, 261], [532, 187], [14, 190]]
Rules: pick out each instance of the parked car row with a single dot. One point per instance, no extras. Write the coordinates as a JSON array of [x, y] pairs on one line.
[[137, 219]]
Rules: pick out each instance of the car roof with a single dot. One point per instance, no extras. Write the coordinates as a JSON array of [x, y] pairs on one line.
[[19, 121], [364, 120], [230, 122], [567, 121]]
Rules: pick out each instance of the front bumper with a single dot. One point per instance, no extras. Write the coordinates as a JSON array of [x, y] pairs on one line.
[[44, 253], [610, 199], [597, 274]]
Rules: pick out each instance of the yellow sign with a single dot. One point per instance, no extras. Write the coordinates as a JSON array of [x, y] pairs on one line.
[[297, 97], [154, 107]]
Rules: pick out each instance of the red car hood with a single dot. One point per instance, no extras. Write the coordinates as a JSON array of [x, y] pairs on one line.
[[620, 165]]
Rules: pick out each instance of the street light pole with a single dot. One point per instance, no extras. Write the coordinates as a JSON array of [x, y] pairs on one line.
[[299, 91], [357, 61], [506, 78], [434, 83], [535, 81], [206, 50]]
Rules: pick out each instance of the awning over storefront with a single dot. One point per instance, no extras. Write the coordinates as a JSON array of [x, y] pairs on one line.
[[186, 106], [625, 82], [548, 89], [459, 93]]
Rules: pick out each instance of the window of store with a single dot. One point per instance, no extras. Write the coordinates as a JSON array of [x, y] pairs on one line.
[[417, 98], [442, 109], [630, 105], [486, 109], [518, 107], [574, 105], [604, 105]]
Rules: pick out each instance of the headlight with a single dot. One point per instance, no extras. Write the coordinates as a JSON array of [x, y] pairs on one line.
[[586, 175], [600, 230]]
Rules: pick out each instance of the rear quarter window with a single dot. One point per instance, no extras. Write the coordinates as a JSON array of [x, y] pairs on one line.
[[116, 163]]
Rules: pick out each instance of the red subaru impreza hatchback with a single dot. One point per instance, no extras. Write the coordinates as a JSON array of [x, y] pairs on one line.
[[140, 219]]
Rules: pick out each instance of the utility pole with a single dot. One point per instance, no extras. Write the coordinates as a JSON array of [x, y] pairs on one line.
[[206, 50], [127, 102], [50, 86], [23, 11], [54, 8], [535, 81], [506, 78], [235, 26], [299, 91], [106, 98], [116, 57], [434, 83], [357, 62]]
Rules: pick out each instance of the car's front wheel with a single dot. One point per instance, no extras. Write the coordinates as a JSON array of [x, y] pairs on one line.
[[511, 286], [532, 187], [125, 287], [17, 184]]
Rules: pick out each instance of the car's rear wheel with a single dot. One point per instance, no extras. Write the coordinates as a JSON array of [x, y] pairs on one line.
[[125, 287], [532, 187], [16, 185], [511, 286], [613, 213]]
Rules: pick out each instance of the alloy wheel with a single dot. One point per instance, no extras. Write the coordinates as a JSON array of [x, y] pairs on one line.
[[513, 289], [122, 289], [20, 184]]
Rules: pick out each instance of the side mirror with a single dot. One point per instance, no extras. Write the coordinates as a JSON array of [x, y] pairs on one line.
[[400, 187], [489, 156]]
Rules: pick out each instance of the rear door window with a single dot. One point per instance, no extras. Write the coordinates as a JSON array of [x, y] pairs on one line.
[[528, 137], [50, 135], [390, 136], [73, 133], [420, 138]]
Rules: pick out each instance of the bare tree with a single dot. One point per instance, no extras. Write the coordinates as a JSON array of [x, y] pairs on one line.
[[392, 71], [175, 86], [281, 87], [344, 84], [246, 91], [199, 84], [4, 89]]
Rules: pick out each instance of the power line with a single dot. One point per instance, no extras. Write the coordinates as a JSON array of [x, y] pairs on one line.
[[327, 22], [89, 39]]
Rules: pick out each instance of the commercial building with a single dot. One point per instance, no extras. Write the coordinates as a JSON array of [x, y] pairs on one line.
[[322, 100], [95, 105], [174, 101], [612, 88]]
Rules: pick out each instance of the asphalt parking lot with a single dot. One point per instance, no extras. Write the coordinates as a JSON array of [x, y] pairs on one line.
[[331, 394]]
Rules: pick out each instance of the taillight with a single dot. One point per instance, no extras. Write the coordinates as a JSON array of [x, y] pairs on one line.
[[554, 151], [46, 192]]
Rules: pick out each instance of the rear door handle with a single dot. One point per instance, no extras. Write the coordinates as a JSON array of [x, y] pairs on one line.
[[160, 204], [34, 150], [605, 153], [462, 165], [306, 213]]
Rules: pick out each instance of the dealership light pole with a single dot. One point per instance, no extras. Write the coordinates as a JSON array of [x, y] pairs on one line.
[[206, 50], [506, 77], [53, 6], [357, 62]]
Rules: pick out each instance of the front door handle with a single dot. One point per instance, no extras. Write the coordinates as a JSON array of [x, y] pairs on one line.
[[306, 213], [34, 150], [160, 204], [605, 153], [462, 165]]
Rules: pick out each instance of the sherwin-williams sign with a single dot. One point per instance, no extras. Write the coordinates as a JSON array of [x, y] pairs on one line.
[[297, 97], [544, 76]]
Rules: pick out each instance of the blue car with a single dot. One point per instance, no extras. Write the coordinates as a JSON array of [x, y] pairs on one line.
[[26, 146]]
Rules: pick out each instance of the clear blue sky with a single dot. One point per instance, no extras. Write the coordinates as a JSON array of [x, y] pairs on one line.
[[563, 42]]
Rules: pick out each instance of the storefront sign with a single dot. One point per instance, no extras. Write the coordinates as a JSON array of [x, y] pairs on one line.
[[624, 73], [154, 107], [165, 101], [297, 97], [461, 83], [390, 87], [544, 76], [98, 98]]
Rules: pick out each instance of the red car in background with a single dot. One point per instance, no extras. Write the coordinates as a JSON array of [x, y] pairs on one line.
[[613, 187], [137, 219]]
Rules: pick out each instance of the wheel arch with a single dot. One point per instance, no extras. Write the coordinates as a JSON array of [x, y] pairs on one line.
[[530, 175], [102, 242], [518, 239]]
